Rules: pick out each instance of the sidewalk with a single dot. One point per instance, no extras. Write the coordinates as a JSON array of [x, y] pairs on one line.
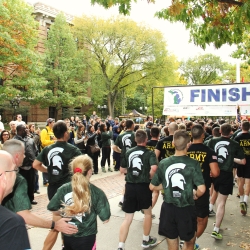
[[235, 227]]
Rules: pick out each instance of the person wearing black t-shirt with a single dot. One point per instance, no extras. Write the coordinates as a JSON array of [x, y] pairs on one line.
[[155, 134], [164, 148], [208, 163], [243, 171]]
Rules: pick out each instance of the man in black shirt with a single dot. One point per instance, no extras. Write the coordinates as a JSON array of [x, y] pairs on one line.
[[164, 148], [208, 163], [243, 171]]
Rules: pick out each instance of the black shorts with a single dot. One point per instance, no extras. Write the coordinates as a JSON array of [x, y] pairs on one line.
[[202, 205], [78, 243], [137, 196], [243, 171], [177, 222], [224, 183]]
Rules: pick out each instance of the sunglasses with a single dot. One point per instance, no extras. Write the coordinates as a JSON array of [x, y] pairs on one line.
[[9, 171]]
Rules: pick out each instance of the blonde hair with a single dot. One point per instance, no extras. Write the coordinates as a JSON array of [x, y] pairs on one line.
[[80, 186]]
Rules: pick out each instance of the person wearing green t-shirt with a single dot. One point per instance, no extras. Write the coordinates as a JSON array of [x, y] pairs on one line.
[[139, 164], [81, 201], [228, 152], [177, 175], [124, 142]]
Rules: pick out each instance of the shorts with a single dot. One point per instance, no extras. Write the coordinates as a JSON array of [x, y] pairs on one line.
[[202, 205], [177, 222], [137, 196], [77, 243], [243, 171], [224, 183]]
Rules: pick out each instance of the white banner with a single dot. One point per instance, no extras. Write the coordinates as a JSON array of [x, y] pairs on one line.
[[202, 110], [245, 110], [228, 94]]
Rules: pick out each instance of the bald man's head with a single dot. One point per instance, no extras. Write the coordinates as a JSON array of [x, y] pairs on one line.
[[172, 128], [7, 173]]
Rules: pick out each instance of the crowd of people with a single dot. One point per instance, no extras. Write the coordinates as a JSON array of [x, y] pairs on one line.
[[192, 164]]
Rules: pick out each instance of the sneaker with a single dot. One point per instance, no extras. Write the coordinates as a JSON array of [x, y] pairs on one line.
[[110, 170], [150, 243], [120, 204], [243, 207], [216, 235], [181, 244], [212, 213], [104, 170], [196, 246]]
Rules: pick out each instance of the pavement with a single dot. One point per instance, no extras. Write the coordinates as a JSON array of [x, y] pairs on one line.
[[235, 227]]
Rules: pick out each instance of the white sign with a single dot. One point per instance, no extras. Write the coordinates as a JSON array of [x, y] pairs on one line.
[[230, 94], [245, 110], [202, 110]]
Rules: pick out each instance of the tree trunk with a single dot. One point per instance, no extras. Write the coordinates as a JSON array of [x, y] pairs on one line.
[[111, 102]]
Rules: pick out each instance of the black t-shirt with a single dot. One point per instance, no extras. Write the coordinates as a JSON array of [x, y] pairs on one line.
[[151, 144], [165, 147], [13, 233], [244, 140], [205, 156]]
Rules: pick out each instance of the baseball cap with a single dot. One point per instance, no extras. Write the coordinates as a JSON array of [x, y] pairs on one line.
[[49, 120]]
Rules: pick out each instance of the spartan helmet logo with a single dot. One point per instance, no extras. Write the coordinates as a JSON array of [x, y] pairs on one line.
[[55, 158], [220, 148], [126, 142], [177, 179], [135, 160]]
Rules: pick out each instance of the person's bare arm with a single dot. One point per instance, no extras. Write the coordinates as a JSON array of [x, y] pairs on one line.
[[157, 153], [123, 170], [153, 170], [214, 169], [200, 191], [116, 149], [155, 188], [240, 161], [39, 166], [61, 224]]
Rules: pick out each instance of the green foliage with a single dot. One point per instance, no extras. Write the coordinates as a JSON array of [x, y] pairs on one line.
[[122, 54], [65, 70], [203, 69], [243, 49], [217, 21], [20, 64]]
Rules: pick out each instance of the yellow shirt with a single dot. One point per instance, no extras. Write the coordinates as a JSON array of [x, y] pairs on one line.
[[46, 135]]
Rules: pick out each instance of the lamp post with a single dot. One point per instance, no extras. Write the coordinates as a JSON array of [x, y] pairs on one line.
[[101, 108], [15, 103]]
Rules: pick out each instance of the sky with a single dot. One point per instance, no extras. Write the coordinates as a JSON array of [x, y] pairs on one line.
[[175, 34]]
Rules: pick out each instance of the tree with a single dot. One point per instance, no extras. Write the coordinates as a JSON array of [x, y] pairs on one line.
[[20, 64], [65, 71], [209, 21], [243, 49], [121, 53], [203, 69]]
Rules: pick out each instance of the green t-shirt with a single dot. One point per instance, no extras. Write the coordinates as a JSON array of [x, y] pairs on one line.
[[86, 223], [125, 141], [56, 158], [138, 161], [178, 175], [226, 150], [105, 137], [18, 200]]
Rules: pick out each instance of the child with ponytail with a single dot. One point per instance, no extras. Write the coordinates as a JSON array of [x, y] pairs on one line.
[[81, 201]]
